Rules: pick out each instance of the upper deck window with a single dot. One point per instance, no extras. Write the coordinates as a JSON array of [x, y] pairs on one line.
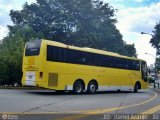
[[33, 48]]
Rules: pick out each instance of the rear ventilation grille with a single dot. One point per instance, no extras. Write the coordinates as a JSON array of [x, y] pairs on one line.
[[53, 79]]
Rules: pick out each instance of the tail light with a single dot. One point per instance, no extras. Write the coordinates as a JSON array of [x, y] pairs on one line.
[[41, 75]]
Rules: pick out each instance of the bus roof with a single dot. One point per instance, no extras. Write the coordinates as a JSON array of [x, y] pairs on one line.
[[86, 49]]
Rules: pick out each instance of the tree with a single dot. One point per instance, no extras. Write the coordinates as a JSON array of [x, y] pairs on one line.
[[157, 64], [11, 51], [130, 50], [84, 23], [155, 41]]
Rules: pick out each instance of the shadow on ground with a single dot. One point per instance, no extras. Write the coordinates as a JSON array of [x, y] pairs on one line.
[[52, 92]]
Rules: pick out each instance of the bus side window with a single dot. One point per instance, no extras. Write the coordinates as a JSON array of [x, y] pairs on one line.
[[125, 63], [138, 66], [89, 59], [110, 62], [54, 53], [49, 53], [61, 55], [120, 63]]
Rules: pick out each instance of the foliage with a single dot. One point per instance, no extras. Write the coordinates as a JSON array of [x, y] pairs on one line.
[[157, 64], [155, 41], [84, 23], [150, 80], [11, 50]]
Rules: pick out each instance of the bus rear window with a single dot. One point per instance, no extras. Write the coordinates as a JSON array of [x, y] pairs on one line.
[[33, 48]]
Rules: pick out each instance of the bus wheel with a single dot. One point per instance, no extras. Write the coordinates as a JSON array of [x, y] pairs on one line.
[[136, 87], [92, 87], [78, 87]]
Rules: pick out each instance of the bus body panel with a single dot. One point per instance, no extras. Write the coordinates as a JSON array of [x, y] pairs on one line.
[[61, 76]]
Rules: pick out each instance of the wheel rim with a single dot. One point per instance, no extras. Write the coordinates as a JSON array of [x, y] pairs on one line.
[[92, 88], [78, 88]]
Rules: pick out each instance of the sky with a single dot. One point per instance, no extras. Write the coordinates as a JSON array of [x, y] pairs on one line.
[[133, 16]]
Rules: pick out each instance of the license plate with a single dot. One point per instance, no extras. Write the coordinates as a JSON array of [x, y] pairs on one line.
[[30, 75], [30, 78]]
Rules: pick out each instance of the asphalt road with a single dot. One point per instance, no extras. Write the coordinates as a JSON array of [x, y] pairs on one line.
[[47, 104]]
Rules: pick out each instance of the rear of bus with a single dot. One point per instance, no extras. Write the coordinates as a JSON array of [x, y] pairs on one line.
[[32, 64]]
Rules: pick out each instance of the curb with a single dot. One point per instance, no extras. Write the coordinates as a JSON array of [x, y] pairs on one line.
[[158, 91], [20, 88]]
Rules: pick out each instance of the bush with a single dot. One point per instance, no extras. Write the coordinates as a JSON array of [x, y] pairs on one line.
[[150, 80]]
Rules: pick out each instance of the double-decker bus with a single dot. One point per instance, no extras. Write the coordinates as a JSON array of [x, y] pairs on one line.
[[58, 66]]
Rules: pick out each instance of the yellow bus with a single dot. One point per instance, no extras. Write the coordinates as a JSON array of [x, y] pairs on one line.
[[58, 66]]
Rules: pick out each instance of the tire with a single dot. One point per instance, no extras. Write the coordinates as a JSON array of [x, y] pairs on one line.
[[136, 87], [60, 91], [78, 87], [92, 88]]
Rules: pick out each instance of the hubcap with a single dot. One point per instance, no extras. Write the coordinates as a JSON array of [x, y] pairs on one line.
[[78, 88], [92, 88]]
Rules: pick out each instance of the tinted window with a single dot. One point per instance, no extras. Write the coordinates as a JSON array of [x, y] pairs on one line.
[[33, 48], [66, 55]]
